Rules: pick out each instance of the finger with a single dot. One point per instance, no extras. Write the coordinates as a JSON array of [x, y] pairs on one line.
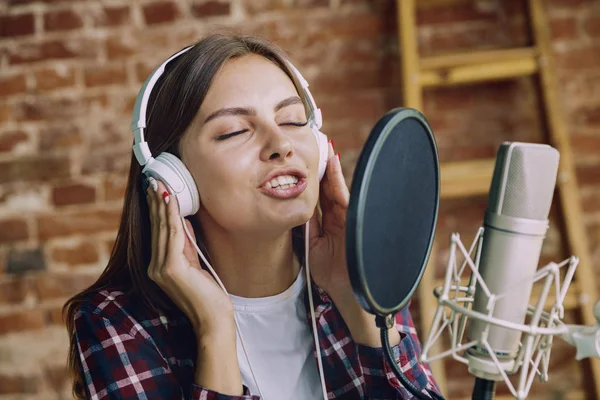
[[175, 231], [314, 225], [334, 185], [163, 227], [334, 195], [324, 189], [189, 251], [154, 227]]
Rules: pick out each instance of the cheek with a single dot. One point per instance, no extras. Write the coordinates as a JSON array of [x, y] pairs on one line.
[[216, 181], [309, 151], [223, 188]]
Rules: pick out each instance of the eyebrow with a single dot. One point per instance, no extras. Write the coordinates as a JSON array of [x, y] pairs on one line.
[[250, 111], [288, 102]]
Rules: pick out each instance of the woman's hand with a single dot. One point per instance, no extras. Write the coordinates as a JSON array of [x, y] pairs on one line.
[[327, 239], [328, 267], [174, 266]]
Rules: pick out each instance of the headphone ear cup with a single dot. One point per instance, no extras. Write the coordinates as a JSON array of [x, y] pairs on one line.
[[174, 174], [323, 143]]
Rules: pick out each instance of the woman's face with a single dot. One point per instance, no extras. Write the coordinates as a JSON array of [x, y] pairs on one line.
[[251, 152]]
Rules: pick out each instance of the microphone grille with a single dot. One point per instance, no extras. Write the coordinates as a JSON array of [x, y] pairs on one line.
[[524, 180]]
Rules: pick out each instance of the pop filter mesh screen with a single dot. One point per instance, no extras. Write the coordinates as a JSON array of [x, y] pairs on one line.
[[397, 216]]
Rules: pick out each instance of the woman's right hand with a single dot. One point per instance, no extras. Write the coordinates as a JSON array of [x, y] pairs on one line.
[[175, 268]]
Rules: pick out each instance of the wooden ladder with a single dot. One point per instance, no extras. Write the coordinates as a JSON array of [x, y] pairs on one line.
[[469, 178]]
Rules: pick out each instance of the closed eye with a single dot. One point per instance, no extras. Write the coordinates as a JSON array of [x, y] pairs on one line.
[[228, 135], [295, 123]]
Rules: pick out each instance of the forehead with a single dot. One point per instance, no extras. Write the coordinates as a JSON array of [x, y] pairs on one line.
[[249, 80]]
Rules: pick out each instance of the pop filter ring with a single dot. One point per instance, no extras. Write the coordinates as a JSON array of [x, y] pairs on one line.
[[356, 209]]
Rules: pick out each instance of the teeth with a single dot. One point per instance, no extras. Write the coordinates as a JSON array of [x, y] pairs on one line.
[[283, 182]]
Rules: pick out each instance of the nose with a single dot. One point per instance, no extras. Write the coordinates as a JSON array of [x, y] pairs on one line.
[[277, 145]]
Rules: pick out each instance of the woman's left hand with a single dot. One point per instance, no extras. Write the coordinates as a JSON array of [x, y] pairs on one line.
[[327, 240], [327, 245]]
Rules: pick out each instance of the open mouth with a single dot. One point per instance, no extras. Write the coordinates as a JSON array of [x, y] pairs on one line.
[[282, 182]]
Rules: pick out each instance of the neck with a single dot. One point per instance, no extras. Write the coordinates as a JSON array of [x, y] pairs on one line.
[[251, 265]]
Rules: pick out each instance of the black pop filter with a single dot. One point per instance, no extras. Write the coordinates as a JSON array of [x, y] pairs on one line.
[[393, 211]]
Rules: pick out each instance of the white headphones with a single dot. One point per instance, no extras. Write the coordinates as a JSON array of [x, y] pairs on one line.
[[171, 170]]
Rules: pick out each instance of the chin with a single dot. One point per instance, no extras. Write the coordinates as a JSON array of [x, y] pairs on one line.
[[285, 215], [293, 218], [298, 219]]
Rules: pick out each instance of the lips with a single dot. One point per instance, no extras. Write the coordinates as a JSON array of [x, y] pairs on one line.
[[281, 172], [287, 191]]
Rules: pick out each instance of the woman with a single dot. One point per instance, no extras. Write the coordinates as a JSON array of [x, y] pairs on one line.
[[156, 325]]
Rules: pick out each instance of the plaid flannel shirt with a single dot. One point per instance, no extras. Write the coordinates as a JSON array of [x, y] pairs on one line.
[[126, 352]]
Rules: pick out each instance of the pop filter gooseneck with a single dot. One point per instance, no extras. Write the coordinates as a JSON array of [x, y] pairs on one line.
[[391, 219]]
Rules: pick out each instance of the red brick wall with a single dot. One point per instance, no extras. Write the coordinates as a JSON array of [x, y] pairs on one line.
[[69, 72]]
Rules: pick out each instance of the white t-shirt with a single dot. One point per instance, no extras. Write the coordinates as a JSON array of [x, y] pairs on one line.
[[279, 343]]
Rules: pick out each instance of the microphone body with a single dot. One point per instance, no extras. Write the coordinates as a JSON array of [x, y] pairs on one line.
[[520, 253], [515, 226]]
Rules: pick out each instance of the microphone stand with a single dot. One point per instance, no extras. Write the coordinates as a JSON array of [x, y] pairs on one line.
[[484, 389], [384, 324]]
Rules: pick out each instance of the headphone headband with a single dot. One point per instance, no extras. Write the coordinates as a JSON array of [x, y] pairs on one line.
[[315, 115], [138, 124]]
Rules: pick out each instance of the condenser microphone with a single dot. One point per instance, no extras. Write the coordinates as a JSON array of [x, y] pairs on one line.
[[515, 225]]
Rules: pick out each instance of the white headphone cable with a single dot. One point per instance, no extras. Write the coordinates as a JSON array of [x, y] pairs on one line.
[[312, 311], [310, 301], [214, 274]]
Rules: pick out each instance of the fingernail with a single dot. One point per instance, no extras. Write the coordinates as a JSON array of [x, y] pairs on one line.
[[166, 197], [332, 144], [338, 155]]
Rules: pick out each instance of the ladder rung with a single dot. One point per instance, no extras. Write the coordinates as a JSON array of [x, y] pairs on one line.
[[466, 178], [466, 71], [424, 4], [478, 57]]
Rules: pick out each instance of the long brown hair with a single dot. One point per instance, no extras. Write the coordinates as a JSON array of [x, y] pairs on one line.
[[174, 103]]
